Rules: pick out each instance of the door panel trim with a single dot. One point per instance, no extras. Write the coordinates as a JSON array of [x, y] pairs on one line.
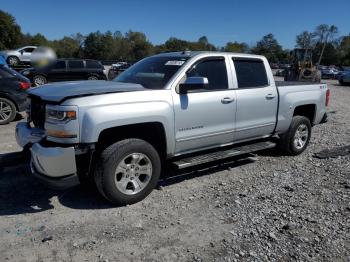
[[252, 127], [206, 135]]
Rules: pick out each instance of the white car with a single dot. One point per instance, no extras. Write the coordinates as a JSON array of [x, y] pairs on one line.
[[15, 57]]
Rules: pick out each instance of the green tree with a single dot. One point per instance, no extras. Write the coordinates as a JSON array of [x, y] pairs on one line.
[[344, 50], [324, 34], [269, 47], [305, 40], [236, 47], [139, 46], [10, 31], [67, 47], [39, 40]]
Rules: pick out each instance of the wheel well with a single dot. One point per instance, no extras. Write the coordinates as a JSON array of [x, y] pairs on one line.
[[152, 132], [307, 111]]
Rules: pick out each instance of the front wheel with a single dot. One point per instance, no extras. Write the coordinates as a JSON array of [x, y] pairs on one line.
[[127, 171], [297, 138]]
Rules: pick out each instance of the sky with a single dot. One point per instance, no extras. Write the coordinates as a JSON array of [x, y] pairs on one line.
[[220, 20]]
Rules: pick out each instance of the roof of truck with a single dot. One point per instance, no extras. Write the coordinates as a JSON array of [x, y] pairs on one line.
[[195, 53]]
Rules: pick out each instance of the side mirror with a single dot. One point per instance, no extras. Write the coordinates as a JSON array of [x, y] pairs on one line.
[[21, 52], [193, 83]]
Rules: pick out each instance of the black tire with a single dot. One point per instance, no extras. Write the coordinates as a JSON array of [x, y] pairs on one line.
[[287, 141], [12, 61], [107, 164], [39, 80], [7, 111], [92, 77]]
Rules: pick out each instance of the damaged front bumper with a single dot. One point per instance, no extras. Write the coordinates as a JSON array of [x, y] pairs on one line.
[[53, 165]]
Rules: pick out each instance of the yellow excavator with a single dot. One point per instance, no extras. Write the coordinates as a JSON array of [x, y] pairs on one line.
[[302, 68]]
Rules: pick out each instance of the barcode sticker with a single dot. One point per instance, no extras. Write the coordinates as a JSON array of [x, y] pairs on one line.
[[175, 63]]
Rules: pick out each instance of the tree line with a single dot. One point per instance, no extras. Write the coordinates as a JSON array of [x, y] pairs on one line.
[[328, 47]]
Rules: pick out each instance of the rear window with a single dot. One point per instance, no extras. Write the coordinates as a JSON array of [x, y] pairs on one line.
[[91, 64], [76, 64], [251, 73]]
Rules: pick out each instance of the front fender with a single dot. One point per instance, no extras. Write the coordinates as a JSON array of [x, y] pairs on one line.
[[97, 119]]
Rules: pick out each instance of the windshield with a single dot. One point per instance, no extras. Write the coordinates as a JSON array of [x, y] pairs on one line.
[[152, 72]]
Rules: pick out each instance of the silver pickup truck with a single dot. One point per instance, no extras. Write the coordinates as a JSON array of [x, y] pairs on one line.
[[187, 108]]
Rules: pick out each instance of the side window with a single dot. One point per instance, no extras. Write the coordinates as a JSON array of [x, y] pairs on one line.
[[251, 73], [214, 70], [60, 65], [76, 64], [91, 64], [29, 49]]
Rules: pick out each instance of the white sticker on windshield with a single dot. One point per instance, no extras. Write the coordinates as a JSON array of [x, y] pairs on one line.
[[175, 63]]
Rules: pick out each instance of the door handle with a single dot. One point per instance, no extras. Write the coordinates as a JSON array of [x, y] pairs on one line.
[[270, 96], [227, 100]]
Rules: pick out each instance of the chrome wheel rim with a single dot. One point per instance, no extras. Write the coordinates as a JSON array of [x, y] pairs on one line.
[[12, 61], [301, 136], [133, 173], [92, 78], [5, 111], [39, 80]]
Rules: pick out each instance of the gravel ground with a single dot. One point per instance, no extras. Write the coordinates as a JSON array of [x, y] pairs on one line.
[[273, 208]]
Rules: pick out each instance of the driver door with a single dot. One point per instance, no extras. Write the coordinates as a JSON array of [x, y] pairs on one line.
[[205, 118]]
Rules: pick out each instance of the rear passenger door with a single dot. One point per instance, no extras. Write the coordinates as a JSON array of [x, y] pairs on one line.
[[76, 70], [257, 99]]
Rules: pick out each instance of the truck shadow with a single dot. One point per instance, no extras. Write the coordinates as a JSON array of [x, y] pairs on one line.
[[20, 193]]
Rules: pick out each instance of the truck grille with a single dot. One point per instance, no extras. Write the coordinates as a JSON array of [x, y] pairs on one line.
[[37, 112]]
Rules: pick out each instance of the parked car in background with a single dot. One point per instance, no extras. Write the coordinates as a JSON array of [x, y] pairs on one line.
[[280, 72], [17, 56], [66, 70], [13, 95], [329, 73], [344, 78], [117, 68], [274, 66]]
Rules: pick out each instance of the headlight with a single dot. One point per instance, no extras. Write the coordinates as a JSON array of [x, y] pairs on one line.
[[25, 73], [60, 115]]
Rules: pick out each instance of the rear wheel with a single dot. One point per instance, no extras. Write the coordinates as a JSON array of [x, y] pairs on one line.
[[297, 138], [13, 60], [127, 171], [7, 111], [39, 80]]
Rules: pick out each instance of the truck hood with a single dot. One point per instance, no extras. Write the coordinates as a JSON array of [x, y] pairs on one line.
[[58, 92]]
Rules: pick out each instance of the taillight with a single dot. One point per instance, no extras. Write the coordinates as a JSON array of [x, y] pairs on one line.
[[328, 94], [24, 85]]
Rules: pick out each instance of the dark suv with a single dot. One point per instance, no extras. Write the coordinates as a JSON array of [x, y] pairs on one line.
[[66, 70]]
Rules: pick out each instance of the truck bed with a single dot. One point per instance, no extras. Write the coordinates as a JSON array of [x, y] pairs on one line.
[[294, 83]]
